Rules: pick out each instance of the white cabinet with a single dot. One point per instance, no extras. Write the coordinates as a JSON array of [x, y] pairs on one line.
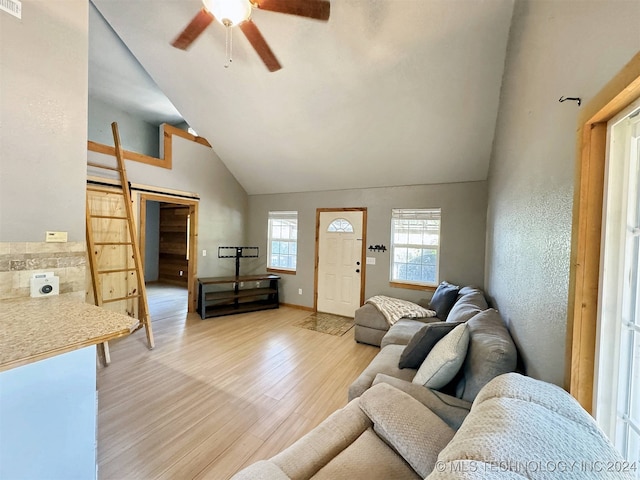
[[48, 418]]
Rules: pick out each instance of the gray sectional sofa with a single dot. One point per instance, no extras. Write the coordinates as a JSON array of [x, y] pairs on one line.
[[441, 400], [518, 427], [371, 326]]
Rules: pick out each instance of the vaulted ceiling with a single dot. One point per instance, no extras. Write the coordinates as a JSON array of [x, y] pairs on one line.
[[386, 93]]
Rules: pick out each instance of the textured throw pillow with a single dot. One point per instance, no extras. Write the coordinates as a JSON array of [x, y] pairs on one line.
[[443, 299], [422, 342], [445, 359], [411, 428]]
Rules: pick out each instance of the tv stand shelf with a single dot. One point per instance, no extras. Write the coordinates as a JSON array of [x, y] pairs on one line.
[[219, 296]]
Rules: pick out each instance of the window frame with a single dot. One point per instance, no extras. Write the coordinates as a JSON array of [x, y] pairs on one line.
[[616, 399], [281, 215], [416, 214]]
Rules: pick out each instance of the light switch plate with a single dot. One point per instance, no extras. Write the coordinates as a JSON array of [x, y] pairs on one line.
[[56, 237], [371, 260]]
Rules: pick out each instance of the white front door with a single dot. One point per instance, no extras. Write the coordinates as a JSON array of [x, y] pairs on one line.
[[339, 262]]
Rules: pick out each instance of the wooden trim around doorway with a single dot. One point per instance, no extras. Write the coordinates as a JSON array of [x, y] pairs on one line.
[[192, 270], [363, 259], [584, 280]]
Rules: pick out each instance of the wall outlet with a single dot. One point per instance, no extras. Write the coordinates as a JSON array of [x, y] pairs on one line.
[[204, 253], [299, 291]]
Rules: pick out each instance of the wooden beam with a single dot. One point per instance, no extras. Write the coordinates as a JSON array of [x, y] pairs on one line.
[[170, 129], [136, 157], [166, 162]]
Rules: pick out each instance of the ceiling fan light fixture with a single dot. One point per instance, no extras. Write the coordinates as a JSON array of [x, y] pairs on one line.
[[229, 12]]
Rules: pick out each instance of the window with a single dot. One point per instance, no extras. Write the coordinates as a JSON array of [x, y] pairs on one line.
[[618, 377], [283, 240], [415, 246], [340, 225]]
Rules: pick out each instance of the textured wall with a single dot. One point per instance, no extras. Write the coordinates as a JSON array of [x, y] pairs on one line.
[[555, 48], [462, 233], [43, 120]]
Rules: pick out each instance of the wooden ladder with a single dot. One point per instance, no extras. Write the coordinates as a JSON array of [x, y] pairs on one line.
[[112, 245]]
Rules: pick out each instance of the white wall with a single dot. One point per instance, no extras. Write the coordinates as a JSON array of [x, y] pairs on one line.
[[43, 120], [462, 233], [556, 48]]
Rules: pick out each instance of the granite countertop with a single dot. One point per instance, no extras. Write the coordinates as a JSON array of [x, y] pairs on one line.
[[32, 329]]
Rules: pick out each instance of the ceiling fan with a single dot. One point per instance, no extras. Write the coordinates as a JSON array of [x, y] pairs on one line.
[[238, 12]]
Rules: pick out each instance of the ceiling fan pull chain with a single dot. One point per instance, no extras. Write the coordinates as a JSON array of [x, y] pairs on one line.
[[229, 43]]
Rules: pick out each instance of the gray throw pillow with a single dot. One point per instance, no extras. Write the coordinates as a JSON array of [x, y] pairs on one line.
[[443, 299], [422, 342], [445, 359]]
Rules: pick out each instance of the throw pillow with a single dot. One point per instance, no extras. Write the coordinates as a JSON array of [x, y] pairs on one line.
[[445, 359], [443, 299], [422, 342], [411, 428]]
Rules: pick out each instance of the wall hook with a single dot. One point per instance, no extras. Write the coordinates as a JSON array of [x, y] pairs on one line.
[[575, 99]]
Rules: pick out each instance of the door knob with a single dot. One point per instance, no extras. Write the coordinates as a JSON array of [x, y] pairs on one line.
[[357, 270], [357, 263]]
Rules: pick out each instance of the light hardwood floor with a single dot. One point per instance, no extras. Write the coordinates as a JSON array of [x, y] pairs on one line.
[[218, 394]]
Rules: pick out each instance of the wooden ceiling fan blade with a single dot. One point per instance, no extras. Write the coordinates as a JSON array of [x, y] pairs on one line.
[[316, 9], [192, 31], [260, 45]]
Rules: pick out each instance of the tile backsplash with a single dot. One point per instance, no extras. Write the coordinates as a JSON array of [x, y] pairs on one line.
[[20, 260]]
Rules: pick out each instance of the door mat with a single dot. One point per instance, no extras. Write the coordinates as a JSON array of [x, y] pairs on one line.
[[326, 323]]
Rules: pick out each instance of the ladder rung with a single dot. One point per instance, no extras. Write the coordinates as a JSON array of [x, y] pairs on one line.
[[120, 298], [106, 167], [112, 243], [113, 217], [119, 270], [138, 326]]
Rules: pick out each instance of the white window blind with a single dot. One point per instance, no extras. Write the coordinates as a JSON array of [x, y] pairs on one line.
[[282, 240], [415, 246]]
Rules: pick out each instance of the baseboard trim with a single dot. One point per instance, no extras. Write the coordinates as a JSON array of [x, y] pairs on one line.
[[299, 307]]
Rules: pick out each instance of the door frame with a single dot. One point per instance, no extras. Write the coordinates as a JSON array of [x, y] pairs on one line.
[[363, 263], [192, 268], [584, 279]]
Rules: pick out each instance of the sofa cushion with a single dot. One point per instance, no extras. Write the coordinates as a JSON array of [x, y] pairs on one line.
[[403, 330], [519, 427], [443, 299], [261, 470], [445, 359], [369, 316], [318, 447], [422, 343], [413, 430], [470, 302], [450, 409], [367, 457], [386, 361], [491, 353]]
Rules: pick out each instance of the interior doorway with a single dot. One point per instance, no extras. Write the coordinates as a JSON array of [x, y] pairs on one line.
[[340, 260], [168, 241]]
